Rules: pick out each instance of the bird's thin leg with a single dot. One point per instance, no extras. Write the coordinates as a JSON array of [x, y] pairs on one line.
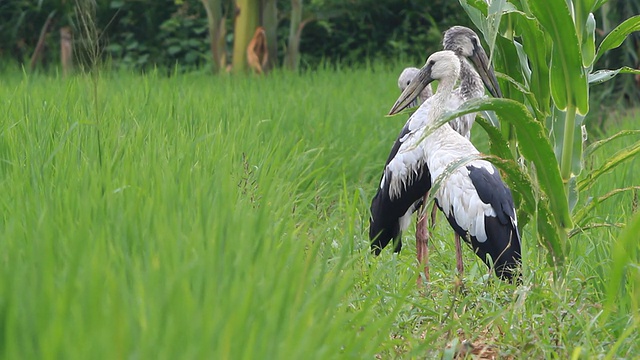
[[459, 265], [434, 212], [422, 243]]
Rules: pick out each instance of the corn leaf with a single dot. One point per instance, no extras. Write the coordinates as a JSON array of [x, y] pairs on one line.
[[477, 11], [567, 77], [550, 234], [507, 61], [497, 143], [535, 44], [589, 42], [600, 76], [520, 184], [617, 35], [531, 98]]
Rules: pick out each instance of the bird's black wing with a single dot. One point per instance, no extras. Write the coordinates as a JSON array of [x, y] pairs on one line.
[[503, 238], [384, 224]]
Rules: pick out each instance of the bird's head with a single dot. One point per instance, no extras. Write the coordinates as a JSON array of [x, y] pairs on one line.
[[405, 79], [465, 42], [440, 65], [406, 76]]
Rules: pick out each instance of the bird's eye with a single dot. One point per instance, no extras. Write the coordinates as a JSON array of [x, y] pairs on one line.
[[431, 63], [408, 82]]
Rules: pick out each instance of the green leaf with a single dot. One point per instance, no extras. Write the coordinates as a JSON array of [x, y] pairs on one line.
[[174, 49], [527, 94], [496, 9], [567, 76], [480, 5], [497, 144], [617, 35], [621, 255], [590, 226], [132, 45], [589, 42], [116, 4], [535, 44], [534, 146], [507, 61], [477, 11], [521, 187], [617, 159], [581, 214], [600, 76], [550, 234], [598, 144]]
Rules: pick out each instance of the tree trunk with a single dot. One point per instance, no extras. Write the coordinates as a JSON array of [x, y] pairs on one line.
[[66, 50], [246, 22], [270, 24], [293, 50], [217, 32], [37, 53]]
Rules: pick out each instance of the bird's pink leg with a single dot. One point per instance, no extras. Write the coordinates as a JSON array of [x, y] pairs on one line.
[[422, 244], [459, 265]]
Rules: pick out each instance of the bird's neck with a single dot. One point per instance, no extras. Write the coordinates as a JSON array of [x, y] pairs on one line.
[[471, 85], [440, 98]]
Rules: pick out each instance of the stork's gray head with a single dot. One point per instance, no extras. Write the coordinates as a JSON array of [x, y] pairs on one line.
[[442, 65], [465, 42], [405, 79]]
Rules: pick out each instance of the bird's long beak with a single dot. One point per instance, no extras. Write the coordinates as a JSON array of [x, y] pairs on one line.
[[485, 70], [413, 90]]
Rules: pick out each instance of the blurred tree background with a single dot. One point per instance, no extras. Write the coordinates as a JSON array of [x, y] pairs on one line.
[[183, 35], [142, 34]]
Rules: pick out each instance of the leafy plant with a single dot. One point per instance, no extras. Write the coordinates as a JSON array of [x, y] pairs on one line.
[[545, 52]]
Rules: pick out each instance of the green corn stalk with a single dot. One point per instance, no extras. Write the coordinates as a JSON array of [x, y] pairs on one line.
[[544, 52]]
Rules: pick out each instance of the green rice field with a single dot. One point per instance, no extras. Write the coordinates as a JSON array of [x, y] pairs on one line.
[[226, 217]]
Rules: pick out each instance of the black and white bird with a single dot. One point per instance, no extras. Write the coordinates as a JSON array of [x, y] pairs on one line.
[[392, 216], [465, 43], [474, 199]]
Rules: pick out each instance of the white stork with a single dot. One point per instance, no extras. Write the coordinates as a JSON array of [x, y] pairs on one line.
[[474, 198]]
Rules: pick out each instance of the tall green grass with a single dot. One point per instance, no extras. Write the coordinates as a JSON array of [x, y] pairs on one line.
[[226, 217]]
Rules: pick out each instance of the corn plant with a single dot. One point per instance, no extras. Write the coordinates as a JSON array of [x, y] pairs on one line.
[[544, 52]]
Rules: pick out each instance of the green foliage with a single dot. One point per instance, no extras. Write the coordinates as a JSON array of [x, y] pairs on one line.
[[164, 39], [355, 31], [226, 217], [143, 34], [545, 45]]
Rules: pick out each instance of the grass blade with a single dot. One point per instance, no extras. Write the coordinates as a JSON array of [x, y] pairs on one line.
[[624, 251], [598, 144], [615, 160], [588, 208]]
